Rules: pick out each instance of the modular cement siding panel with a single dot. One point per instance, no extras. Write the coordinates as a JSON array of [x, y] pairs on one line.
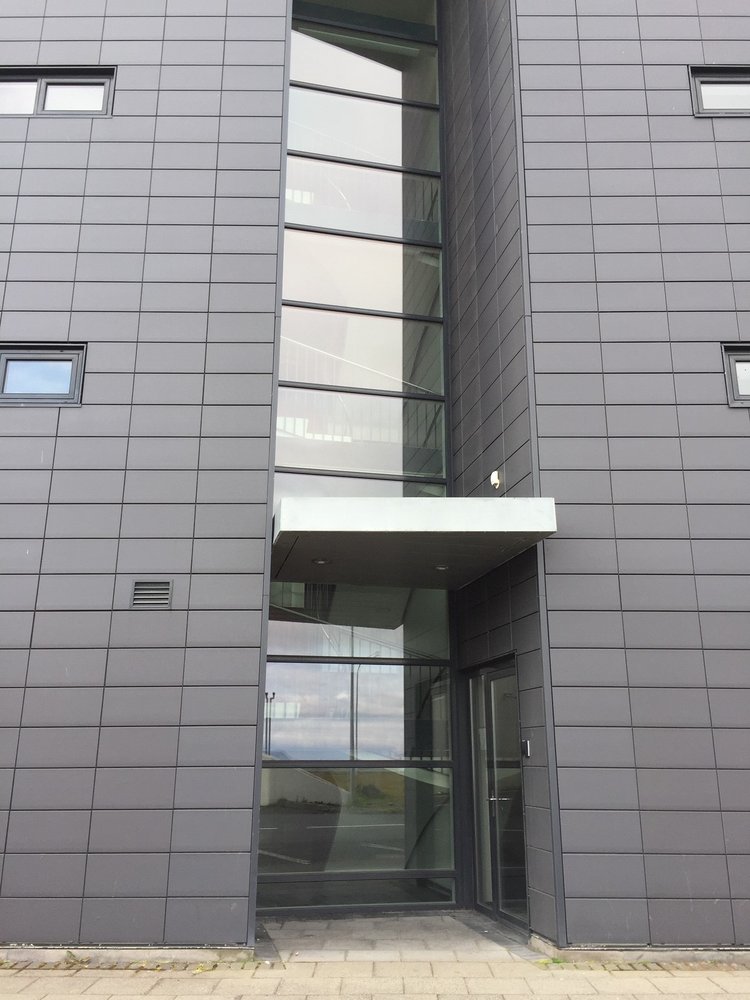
[[127, 738], [636, 238], [488, 375]]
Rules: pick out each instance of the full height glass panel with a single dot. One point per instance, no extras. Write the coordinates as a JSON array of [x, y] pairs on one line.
[[357, 711], [338, 819], [362, 200], [28, 377], [345, 431], [321, 347], [407, 18], [357, 687], [371, 64], [362, 274], [346, 621], [358, 128]]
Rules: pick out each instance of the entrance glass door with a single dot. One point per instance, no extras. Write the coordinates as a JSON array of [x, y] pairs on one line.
[[498, 795]]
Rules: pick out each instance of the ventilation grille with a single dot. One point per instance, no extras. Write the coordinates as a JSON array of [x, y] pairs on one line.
[[152, 594]]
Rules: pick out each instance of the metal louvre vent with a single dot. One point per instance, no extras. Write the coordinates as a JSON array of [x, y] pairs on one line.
[[152, 594]]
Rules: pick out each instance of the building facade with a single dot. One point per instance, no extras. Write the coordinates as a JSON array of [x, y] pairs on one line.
[[375, 448]]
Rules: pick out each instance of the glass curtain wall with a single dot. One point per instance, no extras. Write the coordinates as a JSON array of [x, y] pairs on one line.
[[357, 778]]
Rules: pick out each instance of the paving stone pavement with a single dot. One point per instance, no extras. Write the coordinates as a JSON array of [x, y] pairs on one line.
[[437, 956]]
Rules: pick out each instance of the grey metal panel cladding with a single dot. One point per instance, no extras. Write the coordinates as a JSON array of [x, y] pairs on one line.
[[637, 237], [162, 473], [488, 365]]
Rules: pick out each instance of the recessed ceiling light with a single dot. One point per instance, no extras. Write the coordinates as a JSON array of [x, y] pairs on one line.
[[441, 567], [321, 562]]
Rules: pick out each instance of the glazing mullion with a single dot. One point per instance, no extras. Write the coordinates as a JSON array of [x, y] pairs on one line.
[[358, 311], [364, 95], [357, 390], [326, 158]]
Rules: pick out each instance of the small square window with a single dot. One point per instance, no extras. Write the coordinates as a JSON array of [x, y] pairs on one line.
[[41, 374], [35, 377], [721, 90], [737, 369], [80, 97]]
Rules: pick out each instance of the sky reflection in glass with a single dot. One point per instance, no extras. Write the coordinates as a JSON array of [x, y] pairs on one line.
[[74, 97], [25, 377], [356, 711], [743, 377], [725, 96], [17, 97]]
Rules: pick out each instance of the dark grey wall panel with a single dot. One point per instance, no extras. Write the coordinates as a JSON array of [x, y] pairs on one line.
[[636, 239], [152, 235], [488, 370]]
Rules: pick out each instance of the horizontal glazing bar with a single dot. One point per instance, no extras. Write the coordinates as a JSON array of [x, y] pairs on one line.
[[356, 390], [304, 483], [345, 92], [354, 475], [324, 158], [356, 311], [358, 659], [279, 878], [361, 235], [423, 762]]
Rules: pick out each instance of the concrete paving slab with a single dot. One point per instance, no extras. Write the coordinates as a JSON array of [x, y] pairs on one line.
[[440, 956]]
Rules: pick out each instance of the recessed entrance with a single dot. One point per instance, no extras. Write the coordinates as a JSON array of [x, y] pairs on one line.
[[500, 852]]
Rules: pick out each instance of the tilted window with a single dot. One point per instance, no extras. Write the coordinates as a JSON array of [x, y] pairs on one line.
[[56, 92], [41, 374], [720, 90], [737, 369]]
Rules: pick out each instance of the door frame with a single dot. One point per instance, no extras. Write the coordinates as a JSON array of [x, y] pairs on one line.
[[502, 666]]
